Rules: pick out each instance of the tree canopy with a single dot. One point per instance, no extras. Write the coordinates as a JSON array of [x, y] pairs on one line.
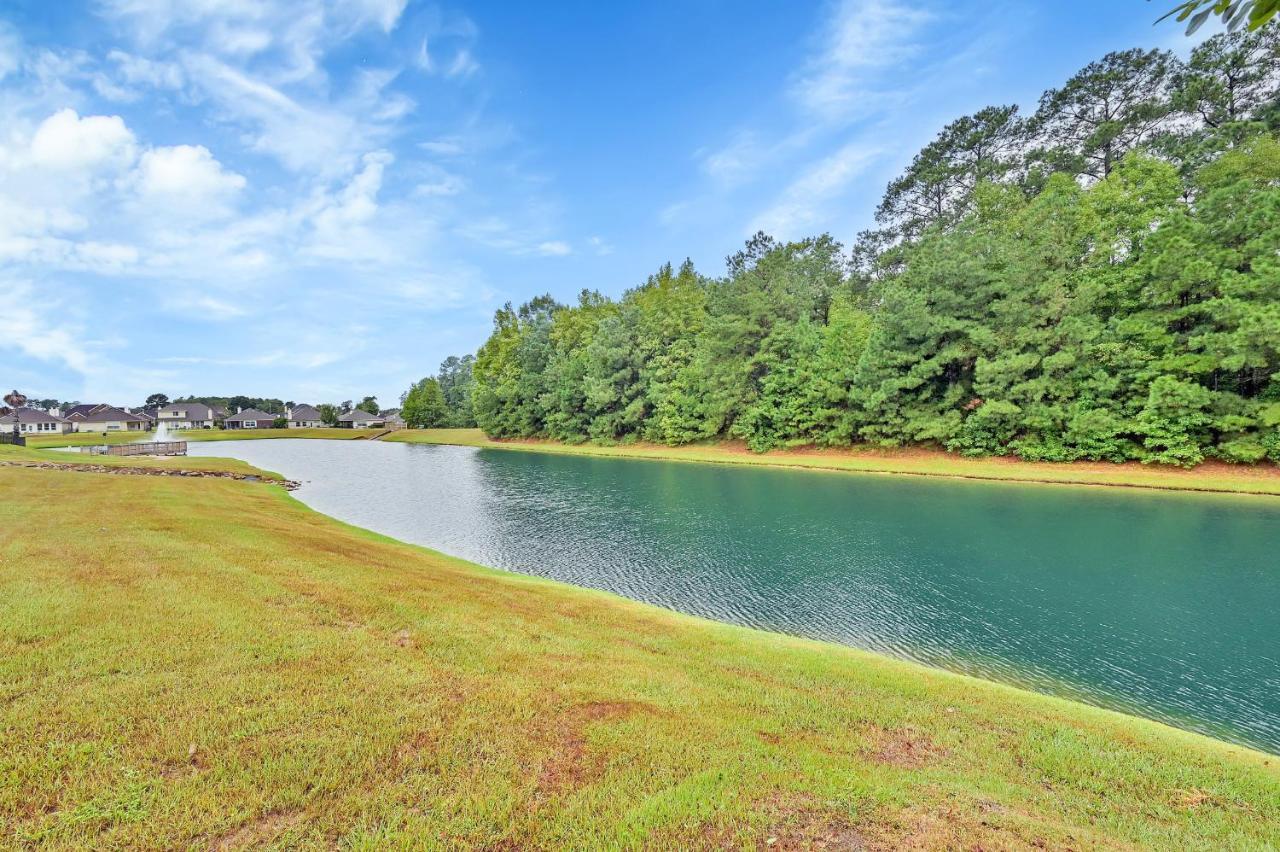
[[1099, 281]]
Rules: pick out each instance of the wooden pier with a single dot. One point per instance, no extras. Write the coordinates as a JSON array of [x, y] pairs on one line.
[[151, 448]]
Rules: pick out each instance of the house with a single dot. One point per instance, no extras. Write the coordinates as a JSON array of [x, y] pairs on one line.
[[107, 418], [33, 421], [359, 419], [304, 417], [250, 418], [83, 409], [393, 419], [189, 415]]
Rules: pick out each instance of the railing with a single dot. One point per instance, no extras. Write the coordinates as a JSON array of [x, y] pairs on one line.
[[152, 448]]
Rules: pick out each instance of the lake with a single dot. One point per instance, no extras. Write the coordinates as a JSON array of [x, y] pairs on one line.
[[1159, 604]]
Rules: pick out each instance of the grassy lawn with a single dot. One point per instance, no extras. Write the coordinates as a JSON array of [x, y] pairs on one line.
[[76, 439], [9, 453], [1211, 476], [196, 662]]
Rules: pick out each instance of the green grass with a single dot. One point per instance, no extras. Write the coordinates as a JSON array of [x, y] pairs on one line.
[[197, 662], [1262, 479], [76, 439], [10, 453]]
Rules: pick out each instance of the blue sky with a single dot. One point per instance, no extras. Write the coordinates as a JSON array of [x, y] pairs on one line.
[[317, 200]]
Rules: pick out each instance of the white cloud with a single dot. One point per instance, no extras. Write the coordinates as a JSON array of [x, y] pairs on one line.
[[862, 38], [30, 330], [187, 178], [803, 205], [600, 247], [554, 248], [463, 65], [65, 141], [10, 50]]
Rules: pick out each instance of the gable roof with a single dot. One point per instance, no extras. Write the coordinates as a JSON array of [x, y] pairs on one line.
[[305, 412], [357, 415], [109, 413], [31, 415], [84, 409], [251, 414], [194, 410]]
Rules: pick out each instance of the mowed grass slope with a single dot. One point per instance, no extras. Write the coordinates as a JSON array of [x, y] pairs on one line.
[[1261, 479], [208, 663]]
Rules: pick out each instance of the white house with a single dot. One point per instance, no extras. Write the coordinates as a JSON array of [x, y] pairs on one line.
[[33, 421], [108, 418], [250, 418], [189, 415], [359, 419], [304, 417]]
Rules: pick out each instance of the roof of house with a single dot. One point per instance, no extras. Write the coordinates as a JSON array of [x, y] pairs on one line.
[[357, 415], [305, 412], [194, 410], [251, 414], [31, 415], [84, 409], [110, 414]]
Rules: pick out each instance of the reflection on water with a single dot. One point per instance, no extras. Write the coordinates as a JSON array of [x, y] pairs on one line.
[[1164, 605]]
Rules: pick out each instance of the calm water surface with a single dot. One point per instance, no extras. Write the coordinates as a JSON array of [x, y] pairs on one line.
[[1165, 605]]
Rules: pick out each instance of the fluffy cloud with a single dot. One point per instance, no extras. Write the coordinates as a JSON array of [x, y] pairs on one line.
[[186, 177], [64, 141]]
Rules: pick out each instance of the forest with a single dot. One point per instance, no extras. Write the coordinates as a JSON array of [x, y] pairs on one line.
[[1099, 279]]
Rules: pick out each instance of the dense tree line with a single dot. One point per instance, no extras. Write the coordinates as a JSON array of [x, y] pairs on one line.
[[1099, 280]]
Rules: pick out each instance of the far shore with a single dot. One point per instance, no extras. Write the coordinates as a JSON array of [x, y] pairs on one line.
[[1209, 477]]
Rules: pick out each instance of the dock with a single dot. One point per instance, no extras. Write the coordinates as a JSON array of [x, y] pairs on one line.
[[150, 448]]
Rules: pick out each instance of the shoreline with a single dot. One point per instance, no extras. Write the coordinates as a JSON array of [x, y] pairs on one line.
[[1207, 478], [1211, 477]]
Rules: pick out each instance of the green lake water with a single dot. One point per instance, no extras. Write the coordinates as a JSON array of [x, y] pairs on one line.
[[1163, 605]]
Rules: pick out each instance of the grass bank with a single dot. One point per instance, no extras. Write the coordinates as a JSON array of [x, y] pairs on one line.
[[1210, 476], [76, 439], [10, 454], [194, 662]]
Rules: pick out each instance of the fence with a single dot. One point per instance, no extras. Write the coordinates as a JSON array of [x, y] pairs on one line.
[[154, 448], [10, 438]]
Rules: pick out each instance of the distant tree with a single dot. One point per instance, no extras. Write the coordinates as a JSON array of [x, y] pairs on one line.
[[424, 405], [369, 404], [1107, 109], [328, 414], [1254, 14], [456, 383], [47, 404], [156, 400], [344, 406], [280, 423], [939, 184]]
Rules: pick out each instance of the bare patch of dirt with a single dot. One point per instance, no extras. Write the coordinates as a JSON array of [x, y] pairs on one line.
[[799, 823], [905, 748], [258, 832], [571, 766]]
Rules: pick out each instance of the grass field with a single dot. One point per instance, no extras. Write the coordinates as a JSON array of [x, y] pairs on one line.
[[197, 662], [1262, 479], [76, 439]]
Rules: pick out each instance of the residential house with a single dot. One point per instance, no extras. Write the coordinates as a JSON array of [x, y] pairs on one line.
[[107, 418], [189, 415], [33, 421], [359, 419], [83, 409], [304, 417], [250, 418], [393, 419]]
